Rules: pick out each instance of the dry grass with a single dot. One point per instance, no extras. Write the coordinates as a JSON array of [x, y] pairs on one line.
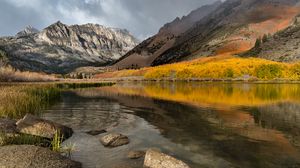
[[17, 100], [8, 74]]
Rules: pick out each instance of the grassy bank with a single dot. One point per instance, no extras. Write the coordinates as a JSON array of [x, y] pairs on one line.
[[224, 67], [8, 74], [18, 100]]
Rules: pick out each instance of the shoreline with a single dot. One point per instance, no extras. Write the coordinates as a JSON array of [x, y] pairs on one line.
[[199, 80]]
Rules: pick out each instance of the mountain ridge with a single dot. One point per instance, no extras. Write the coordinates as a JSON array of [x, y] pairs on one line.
[[60, 48], [147, 51], [229, 27]]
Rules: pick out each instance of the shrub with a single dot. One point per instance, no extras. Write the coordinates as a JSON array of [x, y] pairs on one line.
[[229, 73], [184, 74], [295, 70], [269, 71]]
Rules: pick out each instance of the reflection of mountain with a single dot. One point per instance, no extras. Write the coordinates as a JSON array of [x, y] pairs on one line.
[[284, 117], [227, 133]]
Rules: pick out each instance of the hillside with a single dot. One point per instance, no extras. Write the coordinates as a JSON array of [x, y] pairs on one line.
[[60, 48], [229, 27], [282, 46], [146, 52]]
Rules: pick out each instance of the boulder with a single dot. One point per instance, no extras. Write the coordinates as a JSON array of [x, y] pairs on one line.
[[33, 125], [135, 154], [28, 156], [8, 126], [155, 159], [8, 129], [114, 140], [96, 132]]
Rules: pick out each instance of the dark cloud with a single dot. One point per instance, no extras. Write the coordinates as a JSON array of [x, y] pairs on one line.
[[141, 17]]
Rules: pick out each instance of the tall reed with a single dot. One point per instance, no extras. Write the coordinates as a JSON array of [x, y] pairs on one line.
[[18, 100]]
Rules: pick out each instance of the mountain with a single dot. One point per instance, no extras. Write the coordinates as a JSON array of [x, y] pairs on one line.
[[27, 31], [146, 52], [60, 48], [229, 27], [282, 46]]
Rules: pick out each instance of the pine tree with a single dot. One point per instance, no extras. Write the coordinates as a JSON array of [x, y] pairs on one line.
[[258, 43], [265, 38]]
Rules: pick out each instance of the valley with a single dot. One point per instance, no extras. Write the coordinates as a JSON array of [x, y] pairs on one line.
[[160, 84]]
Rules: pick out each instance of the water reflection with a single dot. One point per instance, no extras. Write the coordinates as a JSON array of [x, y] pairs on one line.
[[206, 125]]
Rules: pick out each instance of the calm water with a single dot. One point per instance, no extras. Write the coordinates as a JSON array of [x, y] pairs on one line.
[[205, 125]]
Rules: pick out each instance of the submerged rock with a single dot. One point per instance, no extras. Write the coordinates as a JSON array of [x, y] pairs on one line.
[[114, 140], [28, 156], [155, 159], [96, 132], [135, 154], [33, 125]]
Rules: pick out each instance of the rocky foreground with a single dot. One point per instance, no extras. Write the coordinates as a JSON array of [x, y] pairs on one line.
[[30, 156]]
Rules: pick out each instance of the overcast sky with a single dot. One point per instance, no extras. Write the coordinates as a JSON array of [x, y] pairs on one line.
[[141, 17]]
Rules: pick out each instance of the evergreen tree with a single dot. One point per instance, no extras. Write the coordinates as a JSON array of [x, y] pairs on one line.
[[258, 43]]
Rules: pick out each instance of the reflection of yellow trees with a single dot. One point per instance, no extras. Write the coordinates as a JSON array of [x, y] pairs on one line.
[[217, 94]]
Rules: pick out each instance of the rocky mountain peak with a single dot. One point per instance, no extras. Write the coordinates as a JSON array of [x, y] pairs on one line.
[[27, 31], [61, 48]]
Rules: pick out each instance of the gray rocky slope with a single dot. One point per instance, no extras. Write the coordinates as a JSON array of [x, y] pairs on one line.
[[230, 26], [284, 46], [60, 48]]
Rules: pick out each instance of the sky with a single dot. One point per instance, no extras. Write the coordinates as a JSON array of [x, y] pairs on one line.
[[142, 18]]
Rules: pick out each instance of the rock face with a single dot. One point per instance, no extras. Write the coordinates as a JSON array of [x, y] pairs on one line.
[[60, 48], [154, 159], [229, 27], [26, 156], [114, 140], [39, 127]]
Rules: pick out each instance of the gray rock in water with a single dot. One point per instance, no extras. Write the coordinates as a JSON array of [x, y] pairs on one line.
[[135, 154], [96, 132], [33, 125], [114, 140], [27, 156], [155, 159]]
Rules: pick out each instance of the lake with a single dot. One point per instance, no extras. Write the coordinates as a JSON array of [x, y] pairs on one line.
[[204, 124]]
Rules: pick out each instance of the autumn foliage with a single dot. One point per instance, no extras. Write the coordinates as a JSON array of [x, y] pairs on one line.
[[220, 67]]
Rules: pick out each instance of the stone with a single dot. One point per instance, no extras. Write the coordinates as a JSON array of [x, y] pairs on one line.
[[8, 129], [135, 154], [8, 126], [155, 159], [36, 126], [28, 156], [114, 140], [96, 132]]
